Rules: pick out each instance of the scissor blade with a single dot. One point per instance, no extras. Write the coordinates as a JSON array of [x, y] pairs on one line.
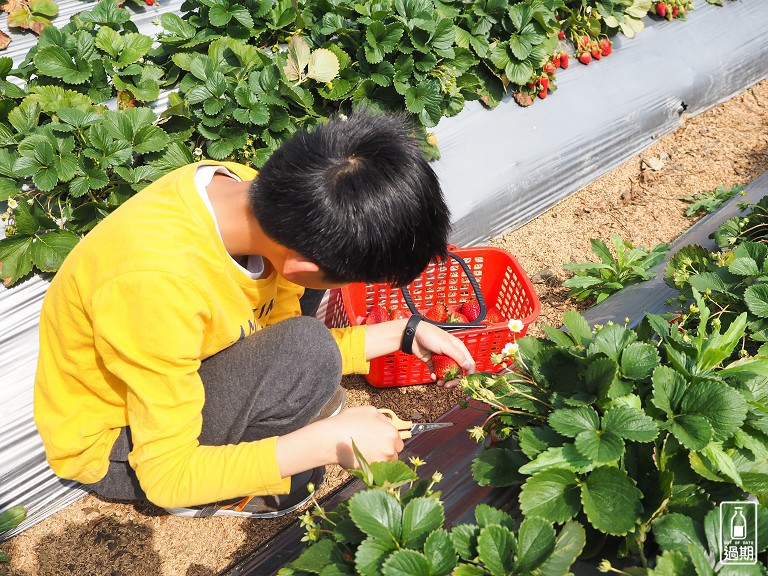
[[427, 426]]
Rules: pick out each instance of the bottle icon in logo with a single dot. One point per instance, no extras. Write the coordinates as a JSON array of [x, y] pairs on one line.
[[738, 525]]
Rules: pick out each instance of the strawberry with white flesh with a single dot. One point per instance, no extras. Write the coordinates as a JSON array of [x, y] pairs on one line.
[[445, 368], [376, 315]]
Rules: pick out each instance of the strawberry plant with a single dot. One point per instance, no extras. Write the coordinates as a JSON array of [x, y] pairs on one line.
[[396, 526], [618, 428], [99, 53], [9, 519], [599, 280], [753, 227], [732, 283], [710, 200], [33, 15]]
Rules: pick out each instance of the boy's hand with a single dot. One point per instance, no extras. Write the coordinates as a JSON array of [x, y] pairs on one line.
[[372, 432], [429, 340]]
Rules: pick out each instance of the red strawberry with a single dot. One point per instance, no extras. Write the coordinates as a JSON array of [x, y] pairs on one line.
[[445, 367], [457, 318], [556, 60], [400, 314], [493, 316], [542, 93], [544, 83], [605, 47], [563, 60], [377, 314], [585, 41], [549, 68], [530, 85], [675, 10], [585, 57], [470, 309], [438, 313], [561, 34], [661, 9], [596, 54], [149, 2]]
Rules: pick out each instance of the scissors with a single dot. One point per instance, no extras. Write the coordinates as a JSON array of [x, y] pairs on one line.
[[407, 428]]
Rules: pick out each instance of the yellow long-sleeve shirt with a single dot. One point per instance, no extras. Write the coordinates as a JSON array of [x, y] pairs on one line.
[[147, 295]]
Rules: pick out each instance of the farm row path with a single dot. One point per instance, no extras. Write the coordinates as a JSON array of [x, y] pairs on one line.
[[639, 201]]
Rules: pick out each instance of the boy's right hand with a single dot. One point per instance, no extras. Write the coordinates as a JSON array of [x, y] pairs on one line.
[[372, 432]]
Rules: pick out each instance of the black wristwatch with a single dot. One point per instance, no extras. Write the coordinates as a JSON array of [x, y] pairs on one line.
[[406, 344]]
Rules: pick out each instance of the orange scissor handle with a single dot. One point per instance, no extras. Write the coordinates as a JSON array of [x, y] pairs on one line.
[[403, 426]]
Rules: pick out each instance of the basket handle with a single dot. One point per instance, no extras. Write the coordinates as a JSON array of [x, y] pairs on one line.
[[453, 325]]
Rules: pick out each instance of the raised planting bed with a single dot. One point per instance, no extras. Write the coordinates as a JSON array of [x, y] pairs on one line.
[[452, 451]]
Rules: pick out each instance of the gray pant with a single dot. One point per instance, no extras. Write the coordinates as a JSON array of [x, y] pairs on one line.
[[273, 382]]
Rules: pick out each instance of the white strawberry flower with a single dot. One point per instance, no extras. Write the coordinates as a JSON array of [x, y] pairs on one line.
[[12, 204], [515, 325], [510, 349]]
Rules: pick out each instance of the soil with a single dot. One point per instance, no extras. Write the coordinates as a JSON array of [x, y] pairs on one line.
[[639, 201]]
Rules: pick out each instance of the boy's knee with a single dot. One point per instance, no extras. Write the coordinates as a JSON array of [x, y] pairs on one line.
[[313, 340]]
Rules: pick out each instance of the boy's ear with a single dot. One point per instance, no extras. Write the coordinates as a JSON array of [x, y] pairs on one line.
[[296, 264]]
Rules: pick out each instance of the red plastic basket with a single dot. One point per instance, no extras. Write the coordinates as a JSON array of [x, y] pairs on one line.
[[502, 281]]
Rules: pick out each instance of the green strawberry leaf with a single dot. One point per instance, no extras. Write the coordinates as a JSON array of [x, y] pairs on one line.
[[371, 554], [56, 62], [630, 424], [378, 514], [420, 517], [551, 494], [464, 539], [578, 327], [724, 408], [639, 360], [571, 422], [756, 299], [568, 546], [380, 40], [669, 386], [613, 339], [15, 258], [486, 515], [611, 501], [496, 546], [693, 431], [440, 552], [425, 100], [600, 446], [566, 457], [497, 467], [675, 531], [406, 563], [536, 541]]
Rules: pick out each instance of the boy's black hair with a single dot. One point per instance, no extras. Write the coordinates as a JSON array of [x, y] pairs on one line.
[[356, 197]]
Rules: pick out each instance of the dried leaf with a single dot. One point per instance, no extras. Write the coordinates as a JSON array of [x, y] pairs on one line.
[[4, 40], [298, 58], [323, 65], [523, 99]]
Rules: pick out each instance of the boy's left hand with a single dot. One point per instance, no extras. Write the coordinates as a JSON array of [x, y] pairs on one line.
[[430, 340]]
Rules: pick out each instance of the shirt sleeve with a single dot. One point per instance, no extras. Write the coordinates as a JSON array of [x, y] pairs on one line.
[[154, 348], [351, 343]]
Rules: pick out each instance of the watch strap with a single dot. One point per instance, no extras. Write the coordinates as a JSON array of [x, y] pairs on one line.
[[406, 344]]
